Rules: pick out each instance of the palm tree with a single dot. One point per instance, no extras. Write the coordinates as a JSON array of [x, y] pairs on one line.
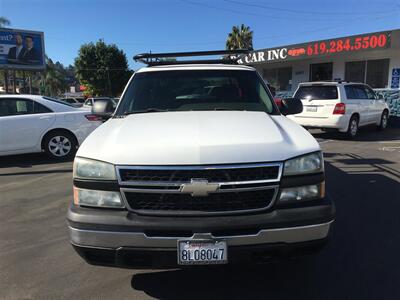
[[54, 81], [4, 22], [240, 38]]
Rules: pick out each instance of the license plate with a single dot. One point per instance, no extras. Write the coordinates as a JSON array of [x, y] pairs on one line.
[[311, 108], [202, 252]]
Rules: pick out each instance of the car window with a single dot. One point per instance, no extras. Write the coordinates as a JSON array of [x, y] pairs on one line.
[[370, 93], [6, 107], [58, 101], [13, 107], [88, 102], [320, 92], [355, 92], [196, 90], [40, 109]]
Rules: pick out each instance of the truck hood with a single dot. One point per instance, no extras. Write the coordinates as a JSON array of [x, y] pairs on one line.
[[197, 137]]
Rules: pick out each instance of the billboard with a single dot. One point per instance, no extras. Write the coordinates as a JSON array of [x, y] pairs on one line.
[[21, 49]]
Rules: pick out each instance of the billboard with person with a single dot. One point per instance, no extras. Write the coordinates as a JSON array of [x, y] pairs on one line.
[[21, 49]]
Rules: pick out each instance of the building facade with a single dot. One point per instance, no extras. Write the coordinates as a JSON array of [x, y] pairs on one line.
[[372, 58]]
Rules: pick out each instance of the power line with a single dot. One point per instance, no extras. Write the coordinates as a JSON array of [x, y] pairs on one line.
[[226, 9], [303, 11], [257, 38], [326, 28]]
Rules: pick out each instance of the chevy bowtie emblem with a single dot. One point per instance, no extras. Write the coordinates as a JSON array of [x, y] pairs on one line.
[[199, 187]]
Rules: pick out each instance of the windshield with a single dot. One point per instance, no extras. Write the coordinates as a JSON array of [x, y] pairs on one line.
[[320, 92], [195, 90]]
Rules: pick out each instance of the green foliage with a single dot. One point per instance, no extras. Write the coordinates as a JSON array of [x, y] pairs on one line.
[[240, 38], [4, 22], [55, 79], [102, 68]]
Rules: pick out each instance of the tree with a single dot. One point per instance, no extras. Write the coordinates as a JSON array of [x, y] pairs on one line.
[[4, 22], [102, 68], [54, 81], [240, 38]]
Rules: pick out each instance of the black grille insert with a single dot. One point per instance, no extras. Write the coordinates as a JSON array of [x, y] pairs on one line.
[[212, 175], [213, 203]]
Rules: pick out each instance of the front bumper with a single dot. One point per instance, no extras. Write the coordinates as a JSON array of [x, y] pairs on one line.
[[161, 258], [117, 239], [125, 239]]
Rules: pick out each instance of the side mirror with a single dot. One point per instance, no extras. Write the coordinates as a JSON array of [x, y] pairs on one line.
[[103, 109], [291, 106]]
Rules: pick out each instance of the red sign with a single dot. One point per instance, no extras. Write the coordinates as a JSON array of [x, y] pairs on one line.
[[348, 44], [372, 41]]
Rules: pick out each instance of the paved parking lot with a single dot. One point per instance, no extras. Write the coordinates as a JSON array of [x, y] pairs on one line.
[[361, 261]]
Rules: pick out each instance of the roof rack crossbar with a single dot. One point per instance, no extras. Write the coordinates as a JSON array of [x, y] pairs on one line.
[[151, 59]]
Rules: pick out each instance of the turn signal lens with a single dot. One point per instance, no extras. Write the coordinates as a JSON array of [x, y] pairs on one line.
[[302, 193], [97, 198], [340, 109]]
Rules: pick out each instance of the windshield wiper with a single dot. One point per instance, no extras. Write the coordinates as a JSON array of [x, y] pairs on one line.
[[148, 110], [232, 109]]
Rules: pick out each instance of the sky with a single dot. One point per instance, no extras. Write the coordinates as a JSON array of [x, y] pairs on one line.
[[138, 26]]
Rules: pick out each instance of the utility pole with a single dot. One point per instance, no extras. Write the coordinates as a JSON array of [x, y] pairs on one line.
[[23, 82], [30, 84], [109, 82], [6, 80], [14, 87]]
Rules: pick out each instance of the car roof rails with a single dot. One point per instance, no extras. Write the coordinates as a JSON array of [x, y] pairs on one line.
[[159, 59]]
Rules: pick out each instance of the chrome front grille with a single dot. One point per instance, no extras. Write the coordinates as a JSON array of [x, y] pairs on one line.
[[216, 189]]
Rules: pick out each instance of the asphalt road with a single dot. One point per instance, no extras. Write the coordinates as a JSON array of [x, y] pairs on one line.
[[362, 260]]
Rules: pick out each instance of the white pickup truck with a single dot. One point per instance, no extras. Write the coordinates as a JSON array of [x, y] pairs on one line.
[[197, 166]]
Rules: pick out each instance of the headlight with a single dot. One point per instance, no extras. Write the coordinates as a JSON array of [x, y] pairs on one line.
[[301, 193], [92, 169], [310, 163], [97, 198]]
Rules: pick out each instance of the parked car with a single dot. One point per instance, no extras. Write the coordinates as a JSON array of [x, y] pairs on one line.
[[37, 123], [73, 101], [185, 175], [343, 106], [90, 101]]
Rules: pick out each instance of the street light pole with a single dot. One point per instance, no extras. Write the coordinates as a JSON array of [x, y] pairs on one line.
[[109, 82], [6, 80]]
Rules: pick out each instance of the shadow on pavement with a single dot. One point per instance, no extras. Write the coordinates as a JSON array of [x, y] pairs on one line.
[[366, 134], [28, 160], [360, 262]]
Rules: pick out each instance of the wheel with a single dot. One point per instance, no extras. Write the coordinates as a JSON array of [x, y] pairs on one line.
[[384, 121], [352, 130], [60, 144]]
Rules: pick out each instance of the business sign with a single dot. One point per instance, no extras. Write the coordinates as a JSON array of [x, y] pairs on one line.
[[357, 43], [395, 78], [21, 49]]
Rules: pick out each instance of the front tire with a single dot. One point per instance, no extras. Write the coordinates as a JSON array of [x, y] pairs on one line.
[[352, 130], [60, 145], [384, 121]]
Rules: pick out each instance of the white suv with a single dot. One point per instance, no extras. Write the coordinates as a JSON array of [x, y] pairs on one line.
[[197, 165], [340, 105]]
